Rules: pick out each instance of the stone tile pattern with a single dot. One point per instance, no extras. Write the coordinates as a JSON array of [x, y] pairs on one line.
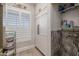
[[64, 43], [55, 43], [70, 42]]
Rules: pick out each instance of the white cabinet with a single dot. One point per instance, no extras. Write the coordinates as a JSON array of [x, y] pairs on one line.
[[40, 7], [43, 38], [48, 19]]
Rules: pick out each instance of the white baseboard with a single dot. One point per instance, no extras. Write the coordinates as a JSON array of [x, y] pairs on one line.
[[24, 48]]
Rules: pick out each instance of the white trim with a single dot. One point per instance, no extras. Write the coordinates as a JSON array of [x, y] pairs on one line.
[[20, 41], [24, 48], [17, 9]]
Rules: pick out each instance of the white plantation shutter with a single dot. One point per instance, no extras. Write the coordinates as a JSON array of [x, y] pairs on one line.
[[11, 20], [24, 30], [25, 20], [20, 23]]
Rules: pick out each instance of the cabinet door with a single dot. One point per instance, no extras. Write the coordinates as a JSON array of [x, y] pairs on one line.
[[1, 26], [43, 40]]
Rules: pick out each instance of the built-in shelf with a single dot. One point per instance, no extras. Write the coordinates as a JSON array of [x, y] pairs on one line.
[[10, 52], [10, 43], [70, 8]]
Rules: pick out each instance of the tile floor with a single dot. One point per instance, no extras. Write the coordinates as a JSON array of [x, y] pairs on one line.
[[30, 52]]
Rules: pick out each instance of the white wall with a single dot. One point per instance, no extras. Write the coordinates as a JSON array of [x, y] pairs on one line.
[[55, 18]]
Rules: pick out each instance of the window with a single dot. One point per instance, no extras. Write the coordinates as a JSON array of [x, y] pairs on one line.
[[19, 22], [11, 19], [25, 20]]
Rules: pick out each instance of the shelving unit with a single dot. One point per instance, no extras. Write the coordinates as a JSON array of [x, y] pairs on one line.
[[70, 8], [70, 35], [10, 43]]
